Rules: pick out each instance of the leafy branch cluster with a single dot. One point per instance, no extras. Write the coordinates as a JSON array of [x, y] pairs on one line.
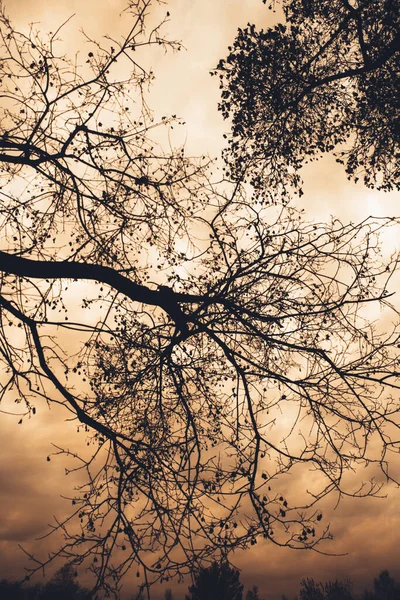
[[324, 81]]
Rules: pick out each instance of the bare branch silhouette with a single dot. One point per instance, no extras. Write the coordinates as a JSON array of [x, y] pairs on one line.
[[218, 342]]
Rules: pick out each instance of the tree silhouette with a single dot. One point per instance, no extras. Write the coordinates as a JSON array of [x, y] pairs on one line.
[[176, 320], [385, 588], [217, 582], [14, 590], [64, 586], [168, 594], [325, 78], [331, 590], [311, 590], [252, 594]]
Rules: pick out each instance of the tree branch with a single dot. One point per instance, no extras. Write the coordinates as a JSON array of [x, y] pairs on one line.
[[164, 297]]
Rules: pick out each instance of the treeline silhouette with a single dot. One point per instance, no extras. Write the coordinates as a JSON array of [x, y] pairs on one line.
[[63, 586], [219, 581]]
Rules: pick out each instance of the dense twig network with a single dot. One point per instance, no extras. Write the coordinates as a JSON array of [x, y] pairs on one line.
[[218, 340]]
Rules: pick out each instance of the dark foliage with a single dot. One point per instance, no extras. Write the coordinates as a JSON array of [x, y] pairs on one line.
[[252, 594], [63, 586], [12, 590], [332, 590], [384, 588], [328, 77], [219, 581]]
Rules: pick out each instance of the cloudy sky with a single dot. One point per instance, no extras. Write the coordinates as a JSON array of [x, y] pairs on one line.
[[31, 488]]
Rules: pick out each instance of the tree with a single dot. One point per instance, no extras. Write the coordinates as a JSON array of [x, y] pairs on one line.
[[325, 80], [339, 590], [252, 594], [13, 590], [176, 318], [311, 590], [217, 582], [64, 586], [331, 590], [168, 594], [385, 587]]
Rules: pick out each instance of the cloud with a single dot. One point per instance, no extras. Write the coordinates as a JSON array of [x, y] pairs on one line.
[[31, 486]]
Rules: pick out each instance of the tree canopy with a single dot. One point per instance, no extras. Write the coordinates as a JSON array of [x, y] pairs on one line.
[[177, 318], [219, 581], [384, 588], [331, 590], [325, 80]]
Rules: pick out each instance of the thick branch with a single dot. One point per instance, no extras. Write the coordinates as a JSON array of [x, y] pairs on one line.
[[164, 297]]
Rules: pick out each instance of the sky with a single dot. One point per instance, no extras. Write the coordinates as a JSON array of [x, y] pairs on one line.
[[31, 487]]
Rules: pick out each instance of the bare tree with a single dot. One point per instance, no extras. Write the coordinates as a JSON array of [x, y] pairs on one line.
[[218, 342]]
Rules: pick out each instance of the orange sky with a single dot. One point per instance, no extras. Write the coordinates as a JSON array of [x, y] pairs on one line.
[[30, 486]]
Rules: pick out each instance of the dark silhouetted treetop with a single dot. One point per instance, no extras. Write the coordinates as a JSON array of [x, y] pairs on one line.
[[326, 80], [385, 588], [168, 594], [62, 586], [219, 581], [205, 344], [252, 594], [331, 590]]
